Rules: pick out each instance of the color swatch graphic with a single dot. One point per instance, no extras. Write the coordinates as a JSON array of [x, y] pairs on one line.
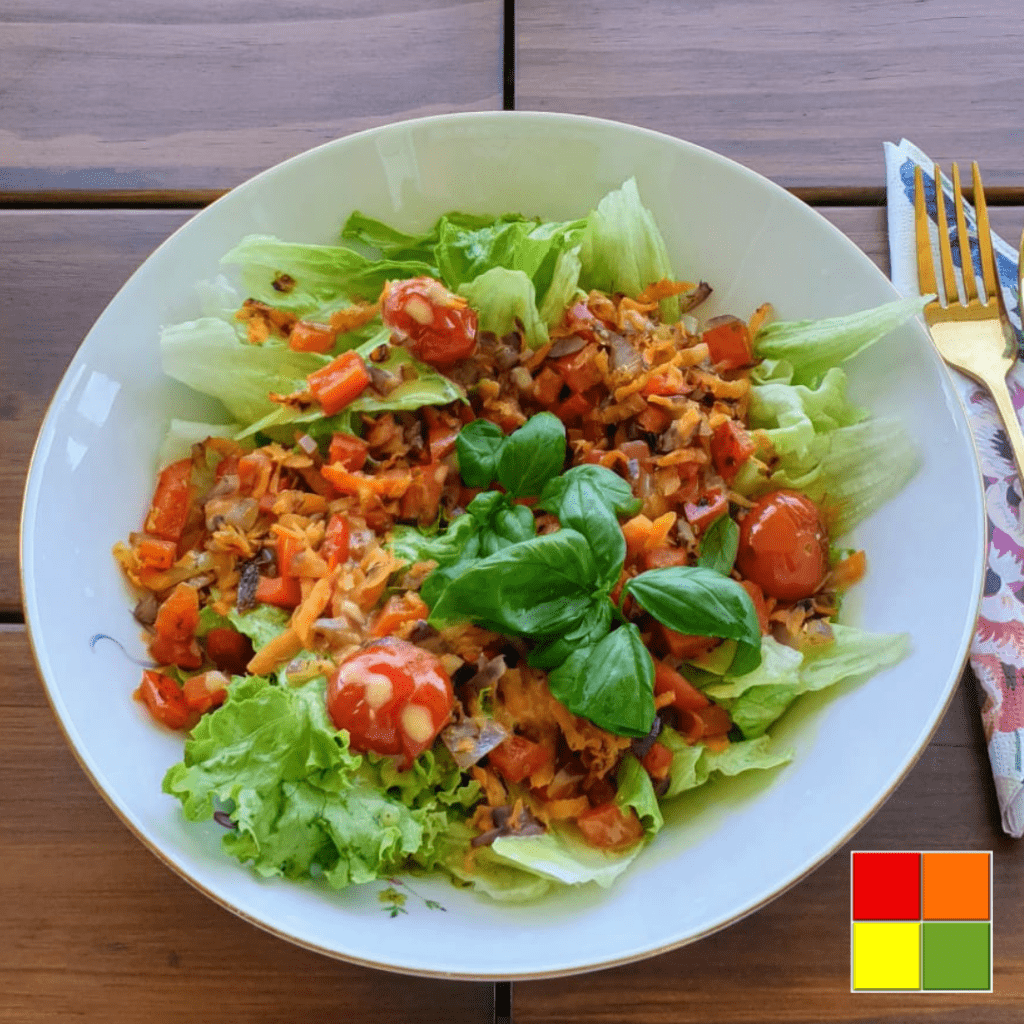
[[921, 922]]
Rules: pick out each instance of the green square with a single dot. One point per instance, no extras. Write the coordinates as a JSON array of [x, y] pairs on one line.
[[957, 955]]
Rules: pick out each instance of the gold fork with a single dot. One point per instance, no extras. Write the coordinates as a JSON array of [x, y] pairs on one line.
[[969, 335]]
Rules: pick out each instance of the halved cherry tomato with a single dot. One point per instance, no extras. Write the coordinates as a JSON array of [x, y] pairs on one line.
[[438, 326], [783, 546], [517, 758], [609, 828], [731, 446], [392, 697], [349, 450], [168, 511], [728, 342], [165, 700]]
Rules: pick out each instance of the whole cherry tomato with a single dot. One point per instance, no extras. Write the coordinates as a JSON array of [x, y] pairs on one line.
[[392, 697], [783, 546], [436, 325]]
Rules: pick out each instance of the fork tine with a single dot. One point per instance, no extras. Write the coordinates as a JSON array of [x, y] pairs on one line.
[[925, 267], [988, 261], [945, 253], [964, 240]]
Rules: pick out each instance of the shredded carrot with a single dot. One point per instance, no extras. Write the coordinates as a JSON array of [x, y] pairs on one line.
[[275, 652]]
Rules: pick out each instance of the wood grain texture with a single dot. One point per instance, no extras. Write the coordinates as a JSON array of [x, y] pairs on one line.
[[94, 927], [59, 269], [804, 92], [790, 961], [190, 95]]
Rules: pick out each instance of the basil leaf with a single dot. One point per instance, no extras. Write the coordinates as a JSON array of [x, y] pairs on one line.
[[594, 627], [697, 600], [501, 523], [585, 504], [532, 455], [719, 545], [514, 523], [478, 446], [459, 541], [535, 588], [612, 489], [611, 683]]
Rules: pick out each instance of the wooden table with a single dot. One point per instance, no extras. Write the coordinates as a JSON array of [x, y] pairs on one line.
[[119, 121]]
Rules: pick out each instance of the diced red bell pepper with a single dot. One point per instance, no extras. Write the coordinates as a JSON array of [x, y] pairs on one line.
[[340, 382], [288, 547], [335, 545], [348, 450], [517, 758], [205, 691], [174, 642], [728, 341], [657, 761], [685, 695], [546, 386], [154, 553], [307, 336], [168, 511], [397, 610], [282, 591], [680, 645], [422, 497], [609, 828], [579, 370], [731, 446], [164, 700]]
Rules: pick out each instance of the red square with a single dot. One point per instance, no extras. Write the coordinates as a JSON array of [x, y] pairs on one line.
[[886, 886]]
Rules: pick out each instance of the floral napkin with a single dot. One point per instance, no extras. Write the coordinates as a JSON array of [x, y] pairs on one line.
[[997, 652]]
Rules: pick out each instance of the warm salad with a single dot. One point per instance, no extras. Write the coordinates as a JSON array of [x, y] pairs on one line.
[[505, 544]]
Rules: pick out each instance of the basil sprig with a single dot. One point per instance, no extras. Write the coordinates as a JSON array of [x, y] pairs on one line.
[[697, 600], [522, 463], [554, 590]]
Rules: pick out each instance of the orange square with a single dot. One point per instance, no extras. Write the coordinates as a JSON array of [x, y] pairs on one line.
[[956, 886]]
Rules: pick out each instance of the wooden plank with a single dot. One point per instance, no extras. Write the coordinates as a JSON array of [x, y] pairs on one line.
[[804, 93], [94, 927], [59, 269], [188, 95]]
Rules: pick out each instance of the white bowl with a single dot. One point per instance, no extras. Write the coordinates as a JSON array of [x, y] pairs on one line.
[[729, 848]]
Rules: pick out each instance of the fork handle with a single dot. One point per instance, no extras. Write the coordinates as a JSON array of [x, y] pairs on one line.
[[1001, 395]]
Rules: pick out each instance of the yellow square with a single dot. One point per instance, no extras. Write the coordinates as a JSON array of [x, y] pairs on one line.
[[886, 955]]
